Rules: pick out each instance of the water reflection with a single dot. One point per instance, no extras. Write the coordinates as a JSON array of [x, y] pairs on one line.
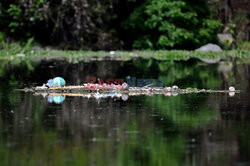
[[58, 99], [190, 129]]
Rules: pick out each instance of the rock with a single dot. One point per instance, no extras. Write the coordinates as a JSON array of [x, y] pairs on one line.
[[167, 94], [226, 38], [210, 47]]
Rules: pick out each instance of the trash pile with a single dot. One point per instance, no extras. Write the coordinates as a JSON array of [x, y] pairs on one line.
[[56, 90]]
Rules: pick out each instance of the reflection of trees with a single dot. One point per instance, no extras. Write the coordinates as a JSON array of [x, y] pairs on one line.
[[185, 74], [85, 118], [111, 131], [213, 140], [227, 140], [235, 113], [78, 118], [217, 145], [234, 74], [192, 110]]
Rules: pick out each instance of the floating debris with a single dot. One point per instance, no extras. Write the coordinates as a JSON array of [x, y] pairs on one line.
[[112, 52], [59, 81], [125, 85], [168, 88], [231, 88], [56, 91], [55, 82], [175, 87], [124, 89]]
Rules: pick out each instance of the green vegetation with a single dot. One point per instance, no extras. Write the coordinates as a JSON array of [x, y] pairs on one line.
[[173, 109], [76, 56], [172, 24], [115, 25], [19, 51], [244, 45], [151, 149]]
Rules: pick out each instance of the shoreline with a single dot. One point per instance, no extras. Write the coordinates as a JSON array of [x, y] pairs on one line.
[[161, 55]]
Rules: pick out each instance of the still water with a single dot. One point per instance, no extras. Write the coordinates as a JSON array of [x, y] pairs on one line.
[[188, 129]]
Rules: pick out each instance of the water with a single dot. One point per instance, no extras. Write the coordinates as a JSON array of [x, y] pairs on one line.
[[190, 129]]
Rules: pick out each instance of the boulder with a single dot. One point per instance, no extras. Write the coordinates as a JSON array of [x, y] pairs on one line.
[[225, 38], [210, 47]]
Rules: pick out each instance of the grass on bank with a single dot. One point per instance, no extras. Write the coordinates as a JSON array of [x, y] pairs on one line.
[[76, 56], [12, 51]]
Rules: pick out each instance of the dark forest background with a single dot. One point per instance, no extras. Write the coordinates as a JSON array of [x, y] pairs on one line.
[[123, 24]]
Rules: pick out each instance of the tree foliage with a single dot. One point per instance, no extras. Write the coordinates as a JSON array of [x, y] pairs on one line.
[[171, 23], [109, 24], [84, 24]]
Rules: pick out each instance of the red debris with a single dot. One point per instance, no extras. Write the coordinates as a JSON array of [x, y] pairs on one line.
[[103, 86]]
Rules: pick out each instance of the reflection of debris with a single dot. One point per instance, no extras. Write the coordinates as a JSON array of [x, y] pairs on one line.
[[231, 94], [174, 94], [58, 99], [167, 94], [44, 94], [124, 97]]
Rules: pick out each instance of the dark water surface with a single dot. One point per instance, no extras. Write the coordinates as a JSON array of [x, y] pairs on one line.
[[191, 129]]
